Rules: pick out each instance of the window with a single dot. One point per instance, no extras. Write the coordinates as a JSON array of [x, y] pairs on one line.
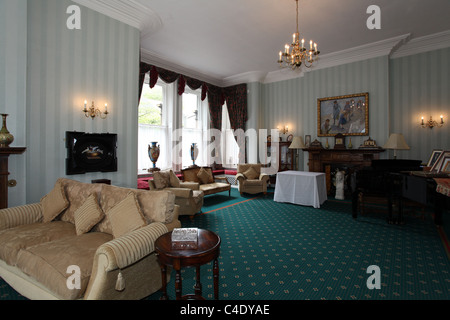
[[153, 126], [194, 126], [161, 113]]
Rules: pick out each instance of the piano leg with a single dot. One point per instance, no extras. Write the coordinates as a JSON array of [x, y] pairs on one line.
[[439, 206], [355, 199]]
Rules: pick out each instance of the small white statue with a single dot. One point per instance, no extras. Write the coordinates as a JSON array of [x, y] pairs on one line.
[[340, 175]]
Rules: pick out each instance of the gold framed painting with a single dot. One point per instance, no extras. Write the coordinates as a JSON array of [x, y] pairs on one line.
[[347, 115]]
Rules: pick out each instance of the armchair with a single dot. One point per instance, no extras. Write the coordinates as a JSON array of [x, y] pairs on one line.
[[188, 195], [251, 180]]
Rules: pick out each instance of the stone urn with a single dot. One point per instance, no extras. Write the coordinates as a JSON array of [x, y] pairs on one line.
[[6, 138], [154, 152]]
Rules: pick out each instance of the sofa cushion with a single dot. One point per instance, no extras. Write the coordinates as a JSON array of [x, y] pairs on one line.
[[88, 215], [48, 263], [54, 203], [253, 183], [203, 176], [77, 193], [13, 240], [251, 174], [174, 180], [157, 206], [126, 216], [161, 179], [216, 187]]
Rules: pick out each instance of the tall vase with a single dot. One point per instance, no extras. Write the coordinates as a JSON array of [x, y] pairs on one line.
[[6, 138], [194, 153], [154, 152]]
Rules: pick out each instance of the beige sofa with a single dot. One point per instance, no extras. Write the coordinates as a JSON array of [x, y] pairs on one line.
[[107, 232], [251, 180], [206, 180]]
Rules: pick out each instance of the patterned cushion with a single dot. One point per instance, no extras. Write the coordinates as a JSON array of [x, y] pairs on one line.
[[54, 203], [88, 215], [251, 174], [126, 216], [203, 176], [161, 179], [174, 181]]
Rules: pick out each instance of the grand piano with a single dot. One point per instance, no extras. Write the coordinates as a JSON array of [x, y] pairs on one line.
[[383, 179]]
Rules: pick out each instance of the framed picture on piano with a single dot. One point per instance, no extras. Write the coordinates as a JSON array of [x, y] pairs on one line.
[[446, 166], [437, 167], [434, 156]]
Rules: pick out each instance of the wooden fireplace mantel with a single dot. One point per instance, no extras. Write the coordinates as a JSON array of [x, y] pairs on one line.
[[4, 156], [321, 160]]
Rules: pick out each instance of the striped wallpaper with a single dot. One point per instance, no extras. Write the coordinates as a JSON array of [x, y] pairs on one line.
[[13, 81], [294, 102], [97, 63], [420, 87]]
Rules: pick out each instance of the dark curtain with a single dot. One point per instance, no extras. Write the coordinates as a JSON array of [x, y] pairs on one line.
[[236, 98], [143, 70], [216, 101]]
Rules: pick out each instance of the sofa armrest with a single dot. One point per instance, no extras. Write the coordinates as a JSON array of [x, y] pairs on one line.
[[130, 248], [18, 216], [195, 186], [264, 177], [240, 177], [224, 179], [182, 192]]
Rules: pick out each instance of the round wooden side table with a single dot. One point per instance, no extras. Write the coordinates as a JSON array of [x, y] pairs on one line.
[[208, 250]]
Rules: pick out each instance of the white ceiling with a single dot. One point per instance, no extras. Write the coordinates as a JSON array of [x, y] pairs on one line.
[[221, 39]]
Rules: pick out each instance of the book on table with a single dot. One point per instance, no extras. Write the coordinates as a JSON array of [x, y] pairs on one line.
[[185, 239]]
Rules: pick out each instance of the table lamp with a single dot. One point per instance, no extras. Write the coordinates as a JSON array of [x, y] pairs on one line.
[[396, 142], [297, 144]]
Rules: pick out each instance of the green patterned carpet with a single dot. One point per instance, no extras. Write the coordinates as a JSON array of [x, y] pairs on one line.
[[273, 251]]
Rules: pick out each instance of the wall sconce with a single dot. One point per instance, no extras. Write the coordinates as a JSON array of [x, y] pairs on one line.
[[432, 123], [93, 112], [285, 130]]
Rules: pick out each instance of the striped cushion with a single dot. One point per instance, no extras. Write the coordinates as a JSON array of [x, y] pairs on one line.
[[88, 215], [126, 216]]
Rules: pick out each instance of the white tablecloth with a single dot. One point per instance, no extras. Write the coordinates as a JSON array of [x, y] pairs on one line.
[[303, 188]]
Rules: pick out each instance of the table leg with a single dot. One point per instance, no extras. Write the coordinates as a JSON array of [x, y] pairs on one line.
[[164, 282], [198, 284], [178, 285], [216, 279]]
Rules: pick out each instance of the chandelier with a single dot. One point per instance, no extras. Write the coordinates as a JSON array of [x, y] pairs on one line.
[[296, 54]]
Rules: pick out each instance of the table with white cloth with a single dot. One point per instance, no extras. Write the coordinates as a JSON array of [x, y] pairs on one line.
[[302, 188]]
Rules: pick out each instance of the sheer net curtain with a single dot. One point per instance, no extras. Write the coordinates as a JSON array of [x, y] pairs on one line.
[[230, 148]]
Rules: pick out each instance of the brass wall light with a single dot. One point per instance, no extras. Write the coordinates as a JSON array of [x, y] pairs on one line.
[[93, 112], [285, 129], [432, 123]]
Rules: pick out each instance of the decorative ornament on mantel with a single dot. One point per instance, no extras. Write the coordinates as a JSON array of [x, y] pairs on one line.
[[296, 54], [6, 138]]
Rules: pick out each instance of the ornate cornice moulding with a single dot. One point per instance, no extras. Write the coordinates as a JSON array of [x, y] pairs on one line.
[[129, 12]]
